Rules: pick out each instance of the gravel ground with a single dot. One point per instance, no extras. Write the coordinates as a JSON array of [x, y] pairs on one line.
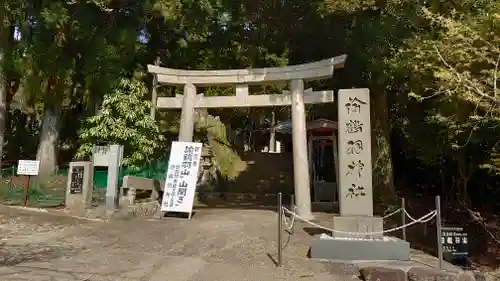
[[216, 244]]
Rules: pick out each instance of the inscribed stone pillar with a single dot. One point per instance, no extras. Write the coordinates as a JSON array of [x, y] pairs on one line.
[[355, 167], [186, 129], [355, 190], [79, 185], [115, 156], [300, 155]]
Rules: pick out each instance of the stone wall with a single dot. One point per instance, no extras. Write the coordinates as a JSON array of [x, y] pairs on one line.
[[265, 173]]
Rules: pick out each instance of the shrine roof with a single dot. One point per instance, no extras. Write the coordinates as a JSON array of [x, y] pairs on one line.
[[321, 124]]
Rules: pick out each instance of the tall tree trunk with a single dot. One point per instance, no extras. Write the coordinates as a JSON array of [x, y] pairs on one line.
[[6, 34], [384, 191], [3, 109], [49, 137], [465, 170]]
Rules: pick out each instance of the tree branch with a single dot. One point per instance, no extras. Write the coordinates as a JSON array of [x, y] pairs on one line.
[[434, 95], [477, 218], [469, 84], [495, 78]]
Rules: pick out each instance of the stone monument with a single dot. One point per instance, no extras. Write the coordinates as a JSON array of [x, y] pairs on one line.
[[358, 233], [355, 165], [110, 156], [114, 166], [79, 186]]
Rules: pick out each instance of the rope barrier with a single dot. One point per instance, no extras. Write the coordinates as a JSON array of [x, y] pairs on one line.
[[426, 220], [392, 214], [422, 219], [408, 215], [289, 226], [413, 219]]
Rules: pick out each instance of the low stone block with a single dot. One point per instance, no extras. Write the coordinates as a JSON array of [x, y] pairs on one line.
[[478, 276], [350, 249], [376, 273], [467, 276], [132, 184], [137, 183], [79, 186], [430, 274]]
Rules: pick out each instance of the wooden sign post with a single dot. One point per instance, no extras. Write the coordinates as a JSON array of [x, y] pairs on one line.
[[27, 168]]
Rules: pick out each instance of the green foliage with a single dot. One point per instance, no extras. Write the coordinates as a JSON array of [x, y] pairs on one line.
[[453, 76], [431, 67], [124, 118], [227, 161]]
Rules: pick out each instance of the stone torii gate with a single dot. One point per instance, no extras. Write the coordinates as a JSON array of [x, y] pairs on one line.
[[297, 97]]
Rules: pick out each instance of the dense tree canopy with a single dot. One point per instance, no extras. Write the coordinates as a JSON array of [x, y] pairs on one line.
[[70, 70]]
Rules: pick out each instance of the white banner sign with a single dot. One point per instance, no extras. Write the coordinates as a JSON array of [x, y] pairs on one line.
[[28, 167], [182, 174]]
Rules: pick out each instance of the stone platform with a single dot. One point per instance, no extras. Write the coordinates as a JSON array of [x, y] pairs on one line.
[[351, 249]]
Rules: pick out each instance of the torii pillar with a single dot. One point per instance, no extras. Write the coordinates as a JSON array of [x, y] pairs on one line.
[[301, 175], [186, 128]]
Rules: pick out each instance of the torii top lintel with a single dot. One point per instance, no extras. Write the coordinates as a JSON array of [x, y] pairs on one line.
[[309, 71]]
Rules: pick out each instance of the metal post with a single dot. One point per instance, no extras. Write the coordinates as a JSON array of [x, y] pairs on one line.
[[293, 210], [280, 227], [403, 217], [439, 233]]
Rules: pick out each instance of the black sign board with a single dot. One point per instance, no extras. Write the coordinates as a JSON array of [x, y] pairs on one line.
[[455, 245], [76, 185]]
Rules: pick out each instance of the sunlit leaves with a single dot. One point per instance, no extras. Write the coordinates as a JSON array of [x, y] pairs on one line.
[[454, 75], [169, 9], [124, 119]]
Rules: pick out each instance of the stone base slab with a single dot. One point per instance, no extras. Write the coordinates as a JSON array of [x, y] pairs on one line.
[[358, 224], [350, 249], [402, 272]]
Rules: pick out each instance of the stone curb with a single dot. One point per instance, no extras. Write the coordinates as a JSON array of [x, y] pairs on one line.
[[416, 273]]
